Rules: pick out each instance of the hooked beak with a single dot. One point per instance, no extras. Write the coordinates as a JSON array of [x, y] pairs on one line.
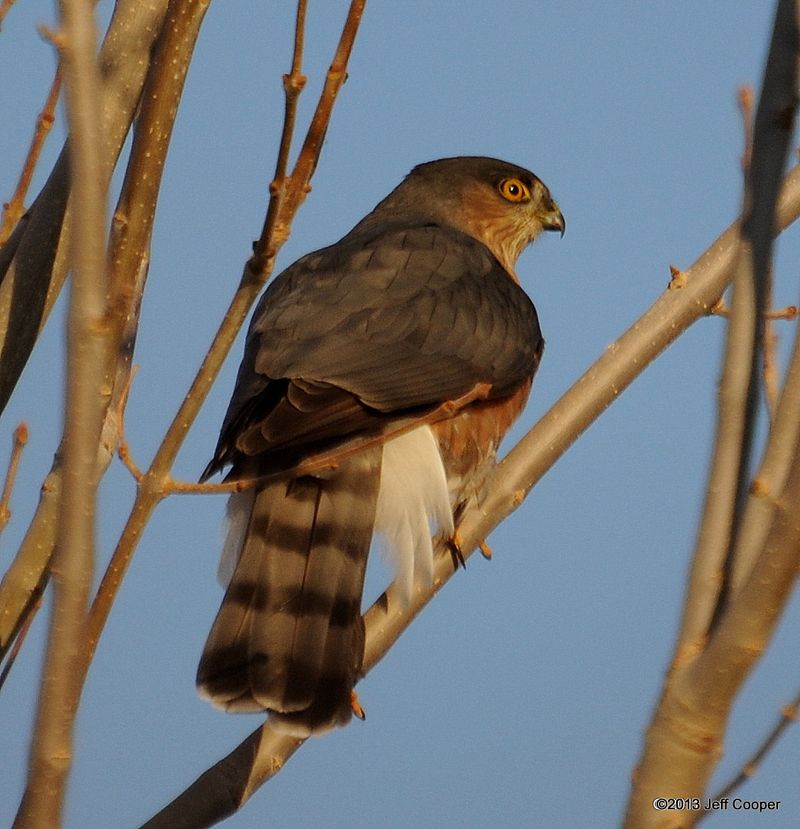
[[553, 219]]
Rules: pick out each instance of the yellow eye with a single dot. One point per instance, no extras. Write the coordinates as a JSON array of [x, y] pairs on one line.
[[513, 190]]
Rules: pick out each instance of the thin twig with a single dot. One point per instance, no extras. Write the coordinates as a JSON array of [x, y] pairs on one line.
[[20, 439], [19, 639], [4, 8], [788, 312], [293, 84], [323, 461], [276, 228], [15, 207], [745, 101], [788, 717], [29, 571], [769, 340], [123, 450], [769, 366]]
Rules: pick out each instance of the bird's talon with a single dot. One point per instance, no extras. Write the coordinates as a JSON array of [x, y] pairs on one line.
[[455, 543], [486, 550], [356, 706]]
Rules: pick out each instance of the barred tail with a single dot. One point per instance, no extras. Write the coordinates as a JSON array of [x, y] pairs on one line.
[[289, 637]]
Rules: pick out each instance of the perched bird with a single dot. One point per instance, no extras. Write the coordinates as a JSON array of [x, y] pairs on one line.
[[379, 376]]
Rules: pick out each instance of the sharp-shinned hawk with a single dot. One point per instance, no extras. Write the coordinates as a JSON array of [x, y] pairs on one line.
[[379, 376]]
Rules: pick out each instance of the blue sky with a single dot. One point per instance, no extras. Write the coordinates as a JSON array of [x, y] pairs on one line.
[[520, 696]]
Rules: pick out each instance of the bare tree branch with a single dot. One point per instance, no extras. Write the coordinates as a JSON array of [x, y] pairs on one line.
[[19, 641], [750, 768], [26, 578], [128, 257], [20, 439], [15, 207], [33, 261], [288, 196], [4, 9], [772, 474], [738, 402], [769, 365], [86, 356], [772, 133], [228, 785], [293, 84], [684, 741], [723, 635]]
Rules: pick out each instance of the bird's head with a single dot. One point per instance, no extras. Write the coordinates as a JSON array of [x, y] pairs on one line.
[[502, 205]]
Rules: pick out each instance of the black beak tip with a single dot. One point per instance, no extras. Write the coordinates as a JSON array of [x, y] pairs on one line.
[[557, 222]]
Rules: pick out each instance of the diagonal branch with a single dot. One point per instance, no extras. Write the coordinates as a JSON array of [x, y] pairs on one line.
[[5, 6], [33, 261], [225, 787], [14, 208], [788, 717], [26, 577]]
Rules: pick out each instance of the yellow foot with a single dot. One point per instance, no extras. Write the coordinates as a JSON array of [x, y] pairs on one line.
[[356, 706], [486, 550]]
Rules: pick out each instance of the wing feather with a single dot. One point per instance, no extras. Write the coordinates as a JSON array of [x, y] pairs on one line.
[[386, 323]]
